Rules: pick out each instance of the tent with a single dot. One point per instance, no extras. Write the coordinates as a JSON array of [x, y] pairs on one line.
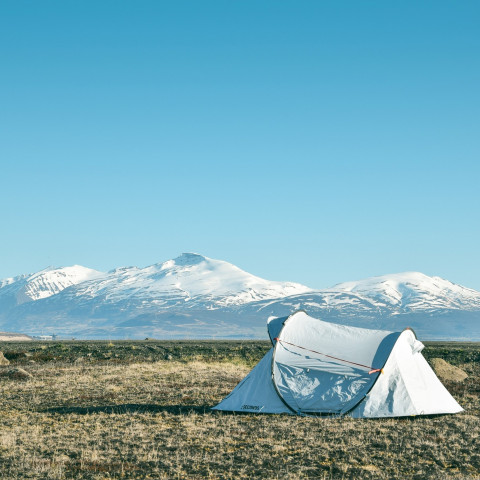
[[321, 368]]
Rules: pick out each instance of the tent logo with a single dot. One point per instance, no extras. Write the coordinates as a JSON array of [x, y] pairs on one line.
[[257, 408]]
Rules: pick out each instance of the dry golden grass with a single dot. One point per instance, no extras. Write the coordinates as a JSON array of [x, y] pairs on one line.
[[151, 420]]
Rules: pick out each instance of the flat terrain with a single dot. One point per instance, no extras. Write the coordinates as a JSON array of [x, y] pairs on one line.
[[141, 410]]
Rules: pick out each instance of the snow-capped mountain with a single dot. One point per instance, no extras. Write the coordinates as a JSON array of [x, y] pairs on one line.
[[413, 291], [43, 284], [196, 296], [189, 280]]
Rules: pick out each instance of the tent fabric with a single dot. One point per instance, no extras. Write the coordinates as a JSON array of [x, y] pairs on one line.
[[317, 367], [408, 386], [256, 392], [274, 327]]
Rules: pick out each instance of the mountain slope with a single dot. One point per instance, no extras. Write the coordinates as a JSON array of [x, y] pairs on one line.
[[43, 284], [413, 291]]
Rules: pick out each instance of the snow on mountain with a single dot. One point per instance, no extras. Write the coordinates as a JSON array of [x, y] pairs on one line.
[[188, 280], [412, 291], [197, 296], [43, 284]]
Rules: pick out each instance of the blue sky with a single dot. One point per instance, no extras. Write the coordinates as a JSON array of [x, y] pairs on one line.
[[315, 142]]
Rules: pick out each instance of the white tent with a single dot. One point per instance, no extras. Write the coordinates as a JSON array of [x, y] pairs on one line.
[[317, 367]]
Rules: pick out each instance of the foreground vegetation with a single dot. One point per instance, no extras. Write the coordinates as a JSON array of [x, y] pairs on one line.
[[139, 410]]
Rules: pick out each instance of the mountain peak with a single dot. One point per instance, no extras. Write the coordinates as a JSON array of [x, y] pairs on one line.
[[189, 259], [399, 280]]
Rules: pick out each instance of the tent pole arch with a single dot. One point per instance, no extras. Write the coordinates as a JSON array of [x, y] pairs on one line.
[[273, 362]]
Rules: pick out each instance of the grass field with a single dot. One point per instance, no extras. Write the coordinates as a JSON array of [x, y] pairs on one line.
[[141, 410]]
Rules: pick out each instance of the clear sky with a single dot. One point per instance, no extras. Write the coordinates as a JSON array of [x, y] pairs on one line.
[[312, 141]]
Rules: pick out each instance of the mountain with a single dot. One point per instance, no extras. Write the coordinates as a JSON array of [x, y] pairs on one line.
[[435, 308], [43, 284], [189, 280], [179, 293], [195, 296], [413, 291]]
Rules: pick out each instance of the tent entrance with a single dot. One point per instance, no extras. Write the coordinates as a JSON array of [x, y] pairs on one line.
[[326, 368], [312, 384]]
